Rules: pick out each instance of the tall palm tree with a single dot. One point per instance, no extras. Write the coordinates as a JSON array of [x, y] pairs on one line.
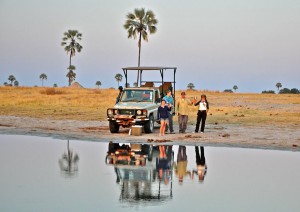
[[278, 85], [71, 74], [70, 42], [140, 24], [69, 162], [98, 83], [235, 87], [119, 78], [11, 78], [43, 77]]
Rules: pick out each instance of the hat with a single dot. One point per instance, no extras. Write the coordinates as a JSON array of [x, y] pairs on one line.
[[182, 93]]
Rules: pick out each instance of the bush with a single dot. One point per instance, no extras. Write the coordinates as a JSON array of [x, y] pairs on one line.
[[285, 91], [228, 91], [295, 91], [52, 91], [269, 91]]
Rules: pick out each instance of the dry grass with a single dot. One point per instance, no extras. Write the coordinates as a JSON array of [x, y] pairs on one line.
[[91, 104]]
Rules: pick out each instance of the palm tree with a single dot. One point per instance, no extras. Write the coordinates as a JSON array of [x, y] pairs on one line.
[[11, 78], [43, 77], [71, 74], [191, 86], [71, 44], [278, 85], [119, 78], [235, 87], [69, 162], [140, 24], [16, 83], [98, 83]]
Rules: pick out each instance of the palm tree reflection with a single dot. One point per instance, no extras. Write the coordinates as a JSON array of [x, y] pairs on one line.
[[69, 163]]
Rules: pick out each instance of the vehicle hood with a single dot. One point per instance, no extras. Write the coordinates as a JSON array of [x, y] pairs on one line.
[[134, 105]]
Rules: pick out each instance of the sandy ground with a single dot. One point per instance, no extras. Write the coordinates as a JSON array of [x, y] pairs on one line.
[[262, 137]]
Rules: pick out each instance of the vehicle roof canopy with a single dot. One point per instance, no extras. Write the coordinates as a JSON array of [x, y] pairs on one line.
[[148, 68]]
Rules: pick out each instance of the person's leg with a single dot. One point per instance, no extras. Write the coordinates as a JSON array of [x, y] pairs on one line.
[[198, 122], [184, 156], [179, 155], [164, 127], [184, 123], [171, 122], [180, 123], [202, 158], [161, 126], [197, 155], [203, 119]]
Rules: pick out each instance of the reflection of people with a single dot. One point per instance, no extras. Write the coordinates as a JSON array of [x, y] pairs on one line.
[[163, 163], [170, 102], [182, 111], [202, 113], [163, 116], [201, 164], [181, 168]]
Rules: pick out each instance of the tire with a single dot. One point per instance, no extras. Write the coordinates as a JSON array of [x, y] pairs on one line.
[[149, 125], [114, 127]]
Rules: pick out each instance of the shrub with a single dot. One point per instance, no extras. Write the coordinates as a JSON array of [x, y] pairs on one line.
[[52, 91], [295, 91], [228, 91], [285, 91], [269, 91]]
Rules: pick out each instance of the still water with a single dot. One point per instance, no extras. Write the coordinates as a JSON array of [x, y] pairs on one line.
[[45, 174]]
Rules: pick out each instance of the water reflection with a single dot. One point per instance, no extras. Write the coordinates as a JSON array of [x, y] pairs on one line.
[[181, 166], [69, 163], [201, 167], [144, 172]]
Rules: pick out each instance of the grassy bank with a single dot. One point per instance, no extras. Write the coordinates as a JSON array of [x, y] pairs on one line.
[[91, 104]]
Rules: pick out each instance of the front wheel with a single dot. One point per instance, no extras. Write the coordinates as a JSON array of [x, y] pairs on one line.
[[114, 127], [149, 125]]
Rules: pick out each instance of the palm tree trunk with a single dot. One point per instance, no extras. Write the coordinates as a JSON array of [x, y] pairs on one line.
[[69, 70], [42, 83], [139, 61]]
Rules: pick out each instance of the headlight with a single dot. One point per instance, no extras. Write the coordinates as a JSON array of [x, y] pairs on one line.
[[145, 112], [109, 111], [115, 112], [139, 112]]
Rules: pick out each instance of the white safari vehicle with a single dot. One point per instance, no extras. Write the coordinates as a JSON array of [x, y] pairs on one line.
[[139, 105]]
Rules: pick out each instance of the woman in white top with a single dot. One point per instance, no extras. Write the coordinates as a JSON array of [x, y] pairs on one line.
[[202, 113]]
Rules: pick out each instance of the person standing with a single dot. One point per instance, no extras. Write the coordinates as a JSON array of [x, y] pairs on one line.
[[170, 102], [163, 116], [202, 113], [182, 111]]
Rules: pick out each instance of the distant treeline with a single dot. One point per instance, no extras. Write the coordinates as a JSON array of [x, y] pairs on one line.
[[284, 91]]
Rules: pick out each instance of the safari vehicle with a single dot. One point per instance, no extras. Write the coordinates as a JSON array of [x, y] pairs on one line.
[[139, 105]]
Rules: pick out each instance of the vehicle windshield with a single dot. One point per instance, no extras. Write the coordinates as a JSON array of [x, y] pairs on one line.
[[137, 96]]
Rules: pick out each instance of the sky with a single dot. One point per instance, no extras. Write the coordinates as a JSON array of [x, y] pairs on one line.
[[214, 44]]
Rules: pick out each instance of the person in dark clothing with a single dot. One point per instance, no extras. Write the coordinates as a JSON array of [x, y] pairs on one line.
[[200, 163], [202, 113], [163, 116]]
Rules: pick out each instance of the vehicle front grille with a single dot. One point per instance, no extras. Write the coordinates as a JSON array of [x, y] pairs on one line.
[[126, 112]]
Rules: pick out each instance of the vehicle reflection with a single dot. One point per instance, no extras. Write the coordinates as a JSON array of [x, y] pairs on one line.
[[68, 163], [144, 172]]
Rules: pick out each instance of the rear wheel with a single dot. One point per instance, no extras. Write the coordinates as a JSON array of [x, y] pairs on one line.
[[149, 125], [114, 127]]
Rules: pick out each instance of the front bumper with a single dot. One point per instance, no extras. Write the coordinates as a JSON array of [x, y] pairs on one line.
[[127, 120]]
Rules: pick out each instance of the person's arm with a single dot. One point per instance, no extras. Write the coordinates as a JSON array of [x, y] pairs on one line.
[[196, 104], [207, 107], [177, 106]]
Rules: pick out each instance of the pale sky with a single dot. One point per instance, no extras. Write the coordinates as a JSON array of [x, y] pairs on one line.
[[215, 44]]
